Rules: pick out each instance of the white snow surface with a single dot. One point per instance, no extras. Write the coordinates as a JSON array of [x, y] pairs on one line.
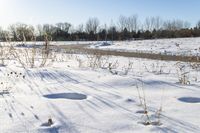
[[85, 100], [178, 46]]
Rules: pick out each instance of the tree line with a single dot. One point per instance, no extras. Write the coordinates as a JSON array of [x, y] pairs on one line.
[[126, 28]]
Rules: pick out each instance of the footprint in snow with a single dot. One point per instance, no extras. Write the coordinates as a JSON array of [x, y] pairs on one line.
[[22, 114], [140, 112], [129, 100], [45, 127], [10, 115], [36, 117]]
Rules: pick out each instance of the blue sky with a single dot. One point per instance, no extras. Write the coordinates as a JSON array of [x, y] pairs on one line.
[[78, 11]]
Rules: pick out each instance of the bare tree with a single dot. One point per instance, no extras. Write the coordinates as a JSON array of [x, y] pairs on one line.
[[19, 31], [198, 24], [152, 23], [4, 35], [1, 34], [92, 25], [106, 32], [40, 31], [147, 24], [187, 24], [66, 27], [175, 24], [132, 23], [80, 28], [12, 29], [112, 30], [158, 23], [122, 22], [47, 28], [24, 31]]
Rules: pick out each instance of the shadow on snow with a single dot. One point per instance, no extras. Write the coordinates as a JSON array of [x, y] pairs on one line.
[[71, 96]]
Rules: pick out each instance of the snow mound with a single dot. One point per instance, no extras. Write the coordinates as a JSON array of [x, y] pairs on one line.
[[45, 128], [71, 96], [101, 44]]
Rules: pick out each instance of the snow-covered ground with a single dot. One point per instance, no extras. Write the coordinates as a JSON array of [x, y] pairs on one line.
[[180, 46], [57, 43], [82, 98]]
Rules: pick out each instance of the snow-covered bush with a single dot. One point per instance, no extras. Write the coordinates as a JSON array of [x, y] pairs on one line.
[[4, 54], [97, 60], [183, 73], [35, 55], [147, 118]]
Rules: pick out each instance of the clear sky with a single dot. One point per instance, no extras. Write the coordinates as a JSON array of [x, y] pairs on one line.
[[78, 11]]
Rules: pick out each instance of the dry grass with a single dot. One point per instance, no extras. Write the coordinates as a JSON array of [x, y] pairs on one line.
[[82, 49]]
